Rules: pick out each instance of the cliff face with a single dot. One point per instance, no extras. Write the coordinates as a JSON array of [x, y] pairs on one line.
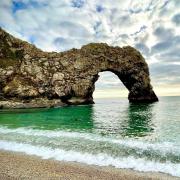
[[30, 77]]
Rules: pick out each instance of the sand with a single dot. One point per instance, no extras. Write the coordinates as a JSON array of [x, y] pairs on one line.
[[20, 166]]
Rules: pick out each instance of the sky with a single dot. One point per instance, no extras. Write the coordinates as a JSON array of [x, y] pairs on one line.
[[151, 26]]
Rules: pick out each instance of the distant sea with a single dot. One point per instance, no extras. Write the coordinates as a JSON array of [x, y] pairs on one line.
[[112, 132]]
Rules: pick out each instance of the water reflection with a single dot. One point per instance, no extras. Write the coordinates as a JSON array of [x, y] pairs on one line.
[[124, 119], [139, 121], [77, 118], [108, 116], [111, 117]]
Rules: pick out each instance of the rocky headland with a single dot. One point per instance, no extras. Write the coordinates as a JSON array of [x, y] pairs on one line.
[[31, 78]]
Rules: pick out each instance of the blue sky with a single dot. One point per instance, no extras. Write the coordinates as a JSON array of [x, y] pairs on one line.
[[152, 26]]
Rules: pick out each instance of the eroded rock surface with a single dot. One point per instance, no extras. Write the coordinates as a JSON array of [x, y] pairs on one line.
[[30, 77]]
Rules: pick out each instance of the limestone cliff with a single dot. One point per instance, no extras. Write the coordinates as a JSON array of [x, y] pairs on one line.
[[30, 77]]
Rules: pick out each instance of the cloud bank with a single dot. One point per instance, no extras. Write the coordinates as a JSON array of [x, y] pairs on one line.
[[152, 26]]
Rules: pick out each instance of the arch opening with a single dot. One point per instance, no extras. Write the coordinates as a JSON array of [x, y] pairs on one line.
[[109, 85]]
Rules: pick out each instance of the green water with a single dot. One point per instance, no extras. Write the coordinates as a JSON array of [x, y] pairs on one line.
[[110, 132]]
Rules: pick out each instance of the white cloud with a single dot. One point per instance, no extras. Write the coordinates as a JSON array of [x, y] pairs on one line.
[[58, 25]]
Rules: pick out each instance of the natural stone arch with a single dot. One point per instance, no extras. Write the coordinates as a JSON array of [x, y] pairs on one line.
[[127, 63], [32, 77]]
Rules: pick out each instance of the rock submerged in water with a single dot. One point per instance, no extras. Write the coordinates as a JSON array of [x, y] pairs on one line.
[[31, 78]]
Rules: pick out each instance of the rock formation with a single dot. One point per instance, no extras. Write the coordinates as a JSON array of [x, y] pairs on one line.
[[30, 77]]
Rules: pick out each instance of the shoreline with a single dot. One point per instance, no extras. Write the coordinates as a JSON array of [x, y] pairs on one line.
[[15, 165]]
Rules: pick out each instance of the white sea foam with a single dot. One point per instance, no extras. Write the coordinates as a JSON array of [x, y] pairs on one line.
[[92, 159], [162, 147]]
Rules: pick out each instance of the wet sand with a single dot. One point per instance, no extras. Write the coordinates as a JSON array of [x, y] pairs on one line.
[[20, 166]]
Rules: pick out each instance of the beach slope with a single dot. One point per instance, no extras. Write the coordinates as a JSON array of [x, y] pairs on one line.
[[21, 166]]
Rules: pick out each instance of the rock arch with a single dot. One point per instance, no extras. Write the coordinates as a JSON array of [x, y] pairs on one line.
[[30, 77]]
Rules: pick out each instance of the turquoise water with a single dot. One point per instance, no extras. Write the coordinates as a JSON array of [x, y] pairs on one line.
[[112, 132]]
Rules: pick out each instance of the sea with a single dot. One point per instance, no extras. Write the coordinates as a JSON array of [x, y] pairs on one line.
[[111, 132]]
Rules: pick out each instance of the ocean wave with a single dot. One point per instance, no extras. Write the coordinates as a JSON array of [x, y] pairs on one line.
[[99, 159], [163, 147]]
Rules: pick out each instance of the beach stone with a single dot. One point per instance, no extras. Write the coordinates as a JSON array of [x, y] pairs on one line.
[[27, 72]]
